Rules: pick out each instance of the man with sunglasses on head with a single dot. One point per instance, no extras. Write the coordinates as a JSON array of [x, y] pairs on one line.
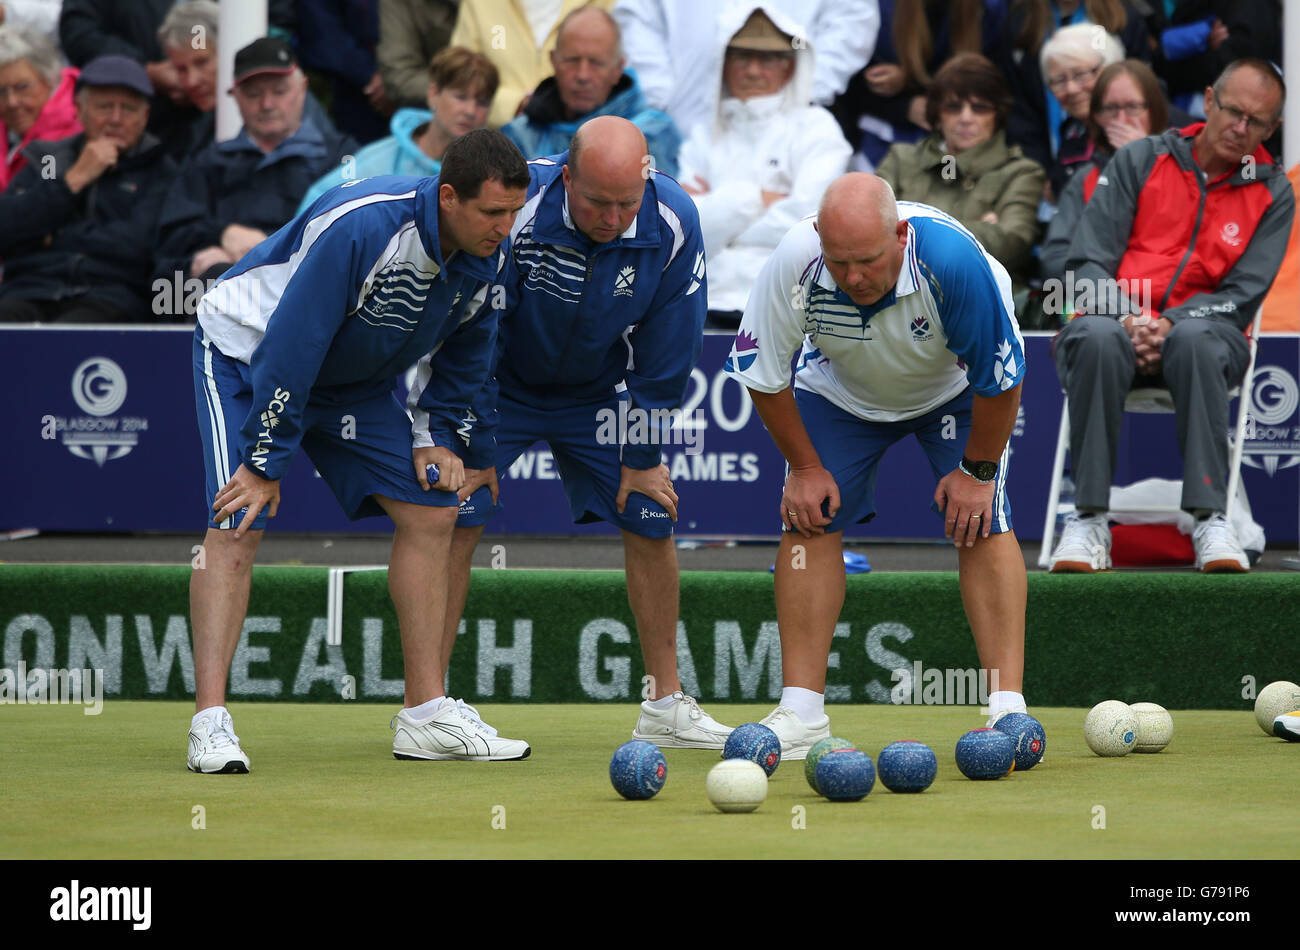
[[1191, 227]]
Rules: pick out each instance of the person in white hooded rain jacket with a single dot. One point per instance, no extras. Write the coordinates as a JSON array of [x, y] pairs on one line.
[[675, 48], [767, 157]]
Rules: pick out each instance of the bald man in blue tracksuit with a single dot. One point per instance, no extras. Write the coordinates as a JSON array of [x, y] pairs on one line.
[[607, 305]]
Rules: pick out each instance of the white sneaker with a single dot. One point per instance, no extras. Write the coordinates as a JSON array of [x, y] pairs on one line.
[[683, 725], [796, 736], [451, 734], [214, 747], [1084, 547], [469, 712], [1217, 549]]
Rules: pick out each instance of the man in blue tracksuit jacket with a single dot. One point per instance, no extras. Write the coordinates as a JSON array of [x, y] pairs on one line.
[[606, 304], [299, 345]]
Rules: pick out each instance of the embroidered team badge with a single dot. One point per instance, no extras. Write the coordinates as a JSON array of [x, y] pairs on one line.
[[623, 282]]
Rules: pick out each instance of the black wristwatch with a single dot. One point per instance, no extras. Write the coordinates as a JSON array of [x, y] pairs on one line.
[[984, 472]]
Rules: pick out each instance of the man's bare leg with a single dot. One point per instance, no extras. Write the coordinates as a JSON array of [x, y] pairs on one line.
[[993, 591], [218, 604], [809, 598], [653, 591], [463, 543], [417, 581], [653, 594]]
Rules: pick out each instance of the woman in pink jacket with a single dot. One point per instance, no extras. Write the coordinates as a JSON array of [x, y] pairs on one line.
[[35, 97]]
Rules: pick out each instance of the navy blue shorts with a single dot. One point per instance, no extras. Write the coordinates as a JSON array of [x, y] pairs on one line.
[[850, 449], [368, 454], [589, 471]]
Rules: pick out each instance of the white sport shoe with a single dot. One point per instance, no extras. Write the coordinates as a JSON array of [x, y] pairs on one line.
[[1217, 549], [469, 712], [214, 747], [796, 736], [451, 734], [684, 725], [1084, 547]]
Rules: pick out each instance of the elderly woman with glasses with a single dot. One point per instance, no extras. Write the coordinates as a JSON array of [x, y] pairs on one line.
[[35, 96], [966, 167], [1127, 104], [1071, 60]]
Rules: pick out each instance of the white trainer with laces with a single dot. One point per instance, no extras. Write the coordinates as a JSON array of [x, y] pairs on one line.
[[796, 736], [1217, 548], [469, 712], [452, 734], [683, 725], [214, 747], [1084, 547]]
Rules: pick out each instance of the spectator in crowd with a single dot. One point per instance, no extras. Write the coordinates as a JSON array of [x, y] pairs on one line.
[[675, 48], [885, 103], [410, 33], [78, 224], [460, 91], [765, 160], [1191, 227], [337, 38], [1127, 104], [1204, 36], [518, 36], [1072, 60], [39, 15], [189, 36], [35, 96], [90, 28], [589, 81], [966, 168], [235, 193], [1037, 111]]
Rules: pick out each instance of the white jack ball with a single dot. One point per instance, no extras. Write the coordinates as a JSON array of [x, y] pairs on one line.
[[736, 785]]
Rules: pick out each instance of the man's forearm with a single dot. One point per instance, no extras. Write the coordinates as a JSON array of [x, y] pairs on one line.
[[992, 419], [780, 415]]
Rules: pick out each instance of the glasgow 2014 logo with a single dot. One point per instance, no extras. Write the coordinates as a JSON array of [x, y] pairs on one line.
[[99, 390], [1272, 438]]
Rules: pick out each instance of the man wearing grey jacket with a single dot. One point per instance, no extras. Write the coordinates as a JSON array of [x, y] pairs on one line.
[[1177, 248]]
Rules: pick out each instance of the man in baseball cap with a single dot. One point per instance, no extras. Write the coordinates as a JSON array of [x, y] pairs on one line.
[[232, 194], [268, 56], [78, 246]]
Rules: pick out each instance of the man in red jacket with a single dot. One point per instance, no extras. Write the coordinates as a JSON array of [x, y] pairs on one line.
[[1176, 250]]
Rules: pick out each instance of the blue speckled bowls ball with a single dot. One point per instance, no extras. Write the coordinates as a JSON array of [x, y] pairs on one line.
[[907, 766], [845, 775], [1028, 735], [755, 742], [985, 754], [638, 770]]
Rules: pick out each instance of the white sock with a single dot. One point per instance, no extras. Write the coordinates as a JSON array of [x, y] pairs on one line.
[[212, 712], [425, 710], [808, 704], [1005, 699], [663, 702]]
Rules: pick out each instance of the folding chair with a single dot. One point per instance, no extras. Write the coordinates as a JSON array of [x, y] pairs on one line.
[[1151, 399]]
